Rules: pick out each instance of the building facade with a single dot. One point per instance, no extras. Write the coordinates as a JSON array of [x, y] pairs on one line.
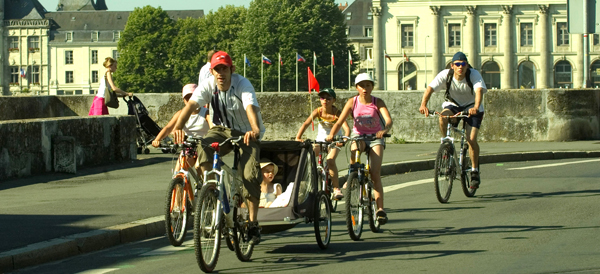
[[60, 53], [514, 44]]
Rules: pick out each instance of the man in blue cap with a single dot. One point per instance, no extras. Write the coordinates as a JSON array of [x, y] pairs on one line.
[[464, 88]]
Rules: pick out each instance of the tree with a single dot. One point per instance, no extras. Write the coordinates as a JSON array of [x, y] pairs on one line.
[[285, 27], [144, 64]]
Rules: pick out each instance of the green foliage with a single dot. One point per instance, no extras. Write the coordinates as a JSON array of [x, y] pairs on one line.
[[185, 57], [395, 140], [144, 64]]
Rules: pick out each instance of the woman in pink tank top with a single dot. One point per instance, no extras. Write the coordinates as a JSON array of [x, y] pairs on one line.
[[368, 112]]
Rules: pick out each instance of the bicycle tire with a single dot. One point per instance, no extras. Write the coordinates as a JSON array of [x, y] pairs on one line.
[[444, 170], [354, 209], [372, 209], [465, 179], [207, 234], [241, 240], [322, 220], [176, 222]]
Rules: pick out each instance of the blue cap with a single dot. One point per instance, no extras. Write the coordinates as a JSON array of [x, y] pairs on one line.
[[459, 56]]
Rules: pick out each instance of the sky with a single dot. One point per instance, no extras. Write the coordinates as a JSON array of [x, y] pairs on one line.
[[129, 5]]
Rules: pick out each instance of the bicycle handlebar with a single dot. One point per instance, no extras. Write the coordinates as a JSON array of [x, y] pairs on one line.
[[233, 140], [462, 114], [366, 137]]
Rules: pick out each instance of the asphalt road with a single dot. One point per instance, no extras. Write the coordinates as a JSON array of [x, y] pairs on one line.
[[542, 219]]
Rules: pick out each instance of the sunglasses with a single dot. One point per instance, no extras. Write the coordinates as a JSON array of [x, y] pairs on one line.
[[460, 64], [326, 98]]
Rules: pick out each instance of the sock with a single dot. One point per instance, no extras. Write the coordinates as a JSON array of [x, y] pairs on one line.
[[475, 169]]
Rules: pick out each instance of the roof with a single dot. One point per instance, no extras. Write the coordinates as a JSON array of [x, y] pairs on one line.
[[359, 10], [23, 9], [80, 5]]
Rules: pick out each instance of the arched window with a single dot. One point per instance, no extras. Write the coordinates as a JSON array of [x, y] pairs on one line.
[[563, 75], [490, 71], [595, 73], [527, 75], [407, 73]]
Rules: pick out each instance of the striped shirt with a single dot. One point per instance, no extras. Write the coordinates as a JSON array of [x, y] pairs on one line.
[[228, 108]]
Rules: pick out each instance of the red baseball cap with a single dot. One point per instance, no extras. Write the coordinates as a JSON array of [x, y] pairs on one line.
[[220, 58]]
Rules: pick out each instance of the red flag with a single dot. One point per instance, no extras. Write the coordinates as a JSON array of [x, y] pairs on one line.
[[350, 55], [388, 57], [312, 81], [405, 56], [332, 62]]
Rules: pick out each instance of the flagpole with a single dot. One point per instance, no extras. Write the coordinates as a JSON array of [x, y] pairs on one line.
[[349, 67], [315, 64], [332, 62], [296, 71], [262, 63], [385, 69], [279, 83], [244, 65]]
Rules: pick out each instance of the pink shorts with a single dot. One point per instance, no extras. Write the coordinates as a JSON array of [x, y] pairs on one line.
[[98, 107]]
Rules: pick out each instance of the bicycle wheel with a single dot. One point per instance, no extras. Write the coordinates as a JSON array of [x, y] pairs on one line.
[[241, 239], [371, 208], [354, 209], [443, 173], [322, 220], [465, 179], [207, 232], [176, 214]]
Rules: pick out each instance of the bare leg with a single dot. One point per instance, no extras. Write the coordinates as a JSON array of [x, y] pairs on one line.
[[471, 136], [333, 170], [444, 121], [376, 156]]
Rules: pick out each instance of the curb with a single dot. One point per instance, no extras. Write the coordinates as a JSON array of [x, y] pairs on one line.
[[73, 245]]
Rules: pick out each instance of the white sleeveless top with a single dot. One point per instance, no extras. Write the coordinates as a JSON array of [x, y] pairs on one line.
[[197, 126], [103, 85], [268, 197]]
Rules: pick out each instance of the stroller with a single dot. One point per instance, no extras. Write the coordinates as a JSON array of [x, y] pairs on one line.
[[146, 127], [301, 201]]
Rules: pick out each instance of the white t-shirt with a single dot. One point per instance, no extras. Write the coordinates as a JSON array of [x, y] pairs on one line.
[[204, 73], [460, 90], [232, 103], [197, 126]]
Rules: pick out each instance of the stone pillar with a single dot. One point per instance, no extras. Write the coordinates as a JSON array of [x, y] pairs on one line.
[[509, 69], [471, 40], [545, 70], [436, 53], [2, 51], [377, 46], [578, 67]]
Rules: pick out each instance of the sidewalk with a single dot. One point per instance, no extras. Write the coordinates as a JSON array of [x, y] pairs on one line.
[[50, 217]]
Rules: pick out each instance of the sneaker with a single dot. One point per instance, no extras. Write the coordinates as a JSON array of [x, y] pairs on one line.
[[337, 194], [381, 217], [253, 233], [475, 180]]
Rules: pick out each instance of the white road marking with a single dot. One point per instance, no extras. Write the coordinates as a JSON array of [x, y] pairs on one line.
[[399, 186], [99, 271], [557, 164]]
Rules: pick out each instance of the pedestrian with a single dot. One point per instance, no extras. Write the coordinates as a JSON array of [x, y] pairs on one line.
[[464, 88], [235, 112], [99, 105]]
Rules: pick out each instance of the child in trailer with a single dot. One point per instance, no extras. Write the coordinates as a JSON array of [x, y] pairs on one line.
[[268, 190], [367, 112], [327, 115]]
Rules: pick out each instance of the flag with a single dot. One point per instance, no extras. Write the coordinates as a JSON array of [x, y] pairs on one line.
[[280, 60], [405, 57], [266, 60], [22, 73], [350, 56], [299, 58], [332, 61], [247, 61], [387, 56], [312, 82], [315, 57]]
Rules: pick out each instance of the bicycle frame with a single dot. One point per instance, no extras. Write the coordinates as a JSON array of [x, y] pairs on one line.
[[184, 170], [461, 132]]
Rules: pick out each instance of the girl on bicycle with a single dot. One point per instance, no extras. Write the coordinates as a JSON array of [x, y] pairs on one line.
[[327, 115], [367, 112]]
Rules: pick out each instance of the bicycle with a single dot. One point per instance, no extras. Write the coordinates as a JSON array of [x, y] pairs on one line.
[[359, 194], [446, 161], [182, 191], [220, 212], [323, 171]]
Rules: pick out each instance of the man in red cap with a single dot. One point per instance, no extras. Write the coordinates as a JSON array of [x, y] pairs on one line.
[[235, 112]]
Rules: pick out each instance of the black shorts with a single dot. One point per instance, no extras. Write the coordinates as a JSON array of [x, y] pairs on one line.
[[473, 121]]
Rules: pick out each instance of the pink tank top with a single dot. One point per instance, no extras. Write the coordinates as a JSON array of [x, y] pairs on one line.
[[366, 117]]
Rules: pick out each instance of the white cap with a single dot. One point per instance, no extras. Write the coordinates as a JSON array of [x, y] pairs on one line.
[[363, 77], [188, 89]]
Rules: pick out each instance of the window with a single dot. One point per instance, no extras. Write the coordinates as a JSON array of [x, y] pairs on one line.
[[69, 37], [95, 35], [490, 72], [68, 77], [490, 35], [14, 74], [453, 35], [596, 39], [347, 31], [35, 74], [562, 75], [369, 32], [407, 35], [526, 34], [562, 35], [348, 16], [369, 16], [94, 57], [94, 76], [115, 55], [407, 73], [527, 75], [595, 73], [369, 53], [116, 35], [14, 42], [34, 42], [69, 57]]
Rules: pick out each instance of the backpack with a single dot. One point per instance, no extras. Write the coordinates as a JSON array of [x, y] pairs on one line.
[[449, 83]]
